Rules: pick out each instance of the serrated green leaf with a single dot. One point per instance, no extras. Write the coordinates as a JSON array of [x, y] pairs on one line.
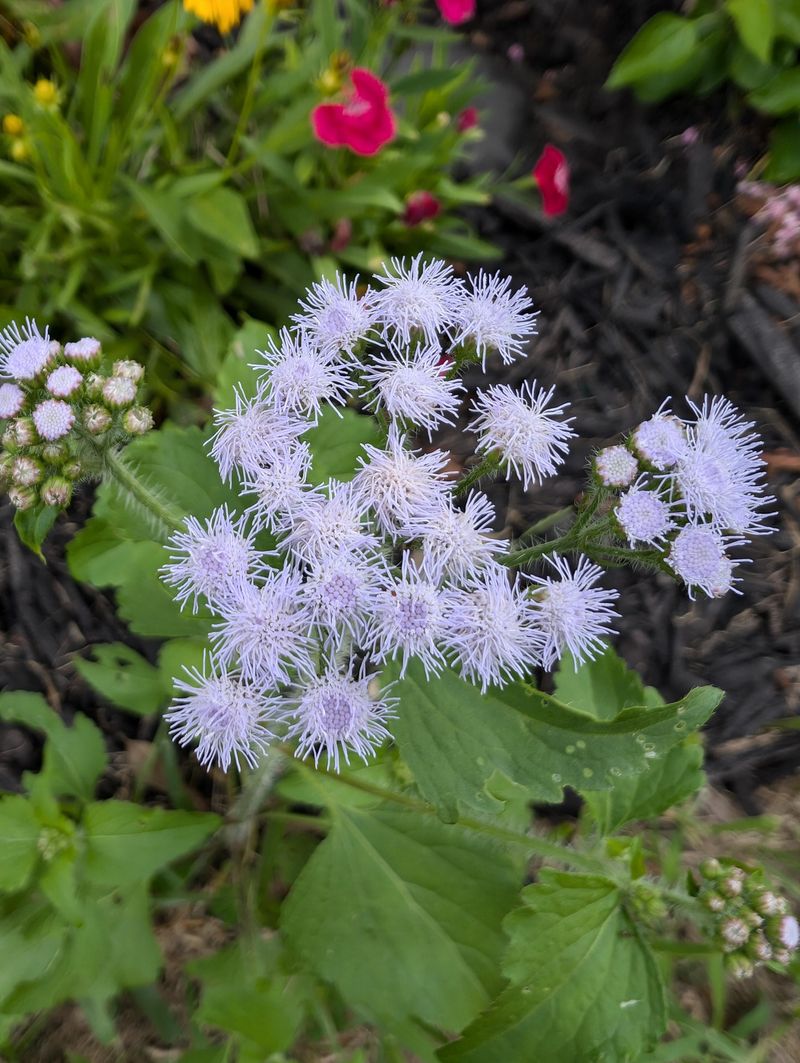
[[453, 738], [755, 24], [99, 555], [402, 914], [19, 833], [124, 677], [601, 688], [336, 443], [222, 214], [126, 844], [584, 986], [780, 95], [662, 45]]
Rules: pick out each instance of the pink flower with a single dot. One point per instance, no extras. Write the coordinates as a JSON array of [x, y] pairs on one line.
[[456, 11], [551, 173], [421, 206], [364, 123], [468, 119]]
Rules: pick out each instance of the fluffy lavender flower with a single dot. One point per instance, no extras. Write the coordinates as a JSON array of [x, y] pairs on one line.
[[571, 612], [300, 376], [334, 316], [414, 387], [53, 419], [662, 440], [342, 590], [226, 716], [332, 521], [399, 484], [697, 555], [529, 433], [280, 488], [63, 381], [23, 355], [493, 318], [252, 434], [83, 351], [490, 629], [456, 543], [266, 627], [616, 466], [210, 559], [410, 620], [416, 298], [789, 932], [720, 473], [644, 515], [336, 715], [12, 399]]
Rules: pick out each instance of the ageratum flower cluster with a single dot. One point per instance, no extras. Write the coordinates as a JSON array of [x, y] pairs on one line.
[[397, 564], [60, 408]]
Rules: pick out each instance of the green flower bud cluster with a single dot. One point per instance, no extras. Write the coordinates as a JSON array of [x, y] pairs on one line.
[[61, 410], [751, 921]]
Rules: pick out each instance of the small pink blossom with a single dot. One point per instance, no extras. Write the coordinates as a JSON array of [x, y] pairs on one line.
[[468, 119], [421, 206], [456, 11], [365, 123], [551, 173]]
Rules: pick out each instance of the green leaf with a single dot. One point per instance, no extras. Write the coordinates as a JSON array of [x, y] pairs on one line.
[[787, 20], [584, 986], [32, 526], [222, 214], [402, 914], [755, 24], [74, 757], [19, 834], [433, 77], [454, 738], [781, 95], [661, 45], [236, 373], [601, 688], [99, 555], [126, 844], [336, 443], [784, 152], [124, 677]]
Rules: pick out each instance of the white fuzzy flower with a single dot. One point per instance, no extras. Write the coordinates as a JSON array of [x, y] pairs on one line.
[[342, 589], [252, 434], [493, 318], [417, 298], [24, 354], [645, 514], [299, 376], [118, 391], [490, 629], [53, 419], [280, 488], [266, 628], [335, 715], [331, 520], [334, 316], [227, 717], [530, 434], [662, 440], [410, 620], [210, 560], [571, 612], [616, 466], [398, 484], [65, 380], [456, 543], [12, 399], [82, 351], [698, 556], [413, 387]]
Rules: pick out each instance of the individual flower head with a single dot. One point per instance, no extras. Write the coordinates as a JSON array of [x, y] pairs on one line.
[[279, 488], [53, 419], [12, 399], [490, 629], [64, 381], [456, 544], [335, 715], [84, 351], [421, 206], [23, 354], [413, 387], [720, 474], [224, 14], [398, 484], [530, 434], [299, 377], [365, 123], [266, 628], [551, 174], [334, 519], [252, 434], [661, 440], [227, 718], [342, 588], [118, 391], [571, 612], [456, 11], [616, 466], [645, 514], [494, 318], [210, 559], [417, 298], [468, 119], [698, 556], [334, 316], [410, 620]]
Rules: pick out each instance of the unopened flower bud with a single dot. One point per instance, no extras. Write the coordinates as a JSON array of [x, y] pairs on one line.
[[129, 370], [9, 437], [734, 932], [23, 497], [54, 350], [97, 419], [753, 919], [20, 152], [57, 491], [782, 956], [118, 391], [616, 466], [26, 471], [12, 399], [711, 868], [731, 885], [24, 432], [64, 381], [714, 902], [94, 384], [54, 453], [137, 420], [759, 948], [71, 469], [6, 462], [739, 966], [786, 932], [54, 419], [84, 352]]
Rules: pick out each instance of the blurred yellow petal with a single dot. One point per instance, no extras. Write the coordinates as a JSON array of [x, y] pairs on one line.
[[225, 14]]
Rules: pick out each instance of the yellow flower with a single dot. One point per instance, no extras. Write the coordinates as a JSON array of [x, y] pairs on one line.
[[225, 14], [46, 93], [19, 150], [13, 126]]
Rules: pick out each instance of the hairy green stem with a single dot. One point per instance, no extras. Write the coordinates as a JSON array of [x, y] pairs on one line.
[[168, 518], [489, 465]]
